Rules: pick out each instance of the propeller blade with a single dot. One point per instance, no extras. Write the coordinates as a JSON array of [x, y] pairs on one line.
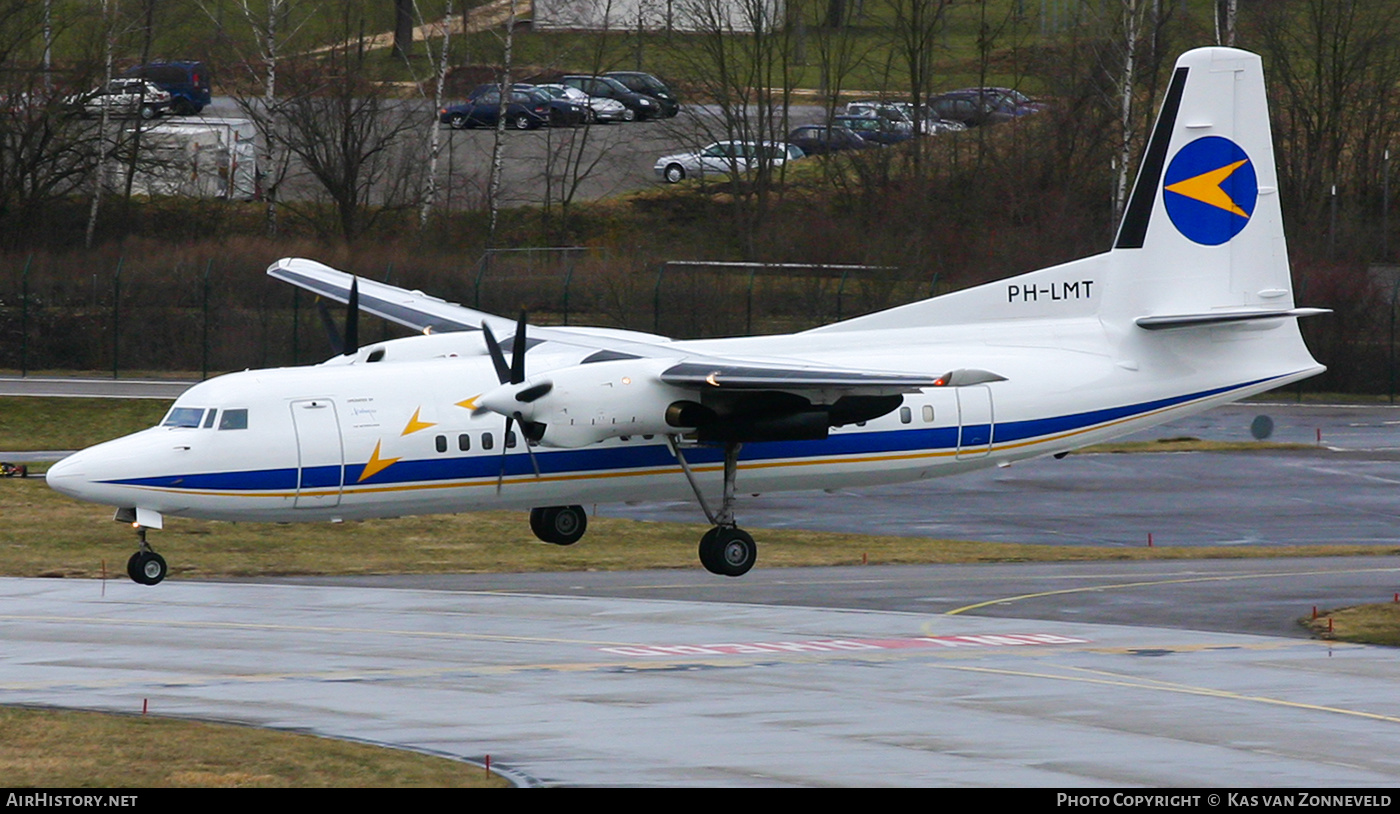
[[517, 353], [527, 431], [352, 319], [505, 446], [497, 358], [332, 334]]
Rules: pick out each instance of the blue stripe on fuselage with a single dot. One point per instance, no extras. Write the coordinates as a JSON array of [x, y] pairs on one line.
[[654, 455]]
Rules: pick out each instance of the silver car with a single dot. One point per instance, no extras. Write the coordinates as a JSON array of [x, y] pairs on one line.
[[723, 158], [123, 97], [600, 109]]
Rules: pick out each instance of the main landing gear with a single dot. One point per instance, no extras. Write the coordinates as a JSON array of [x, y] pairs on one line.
[[145, 566], [726, 549], [561, 525]]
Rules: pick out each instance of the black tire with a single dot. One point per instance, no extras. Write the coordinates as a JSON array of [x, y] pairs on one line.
[[674, 173], [522, 121], [457, 121], [184, 107], [150, 568], [149, 112], [560, 525], [133, 566], [728, 551], [709, 550], [629, 115]]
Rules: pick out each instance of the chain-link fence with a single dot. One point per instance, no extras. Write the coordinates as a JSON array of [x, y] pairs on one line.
[[141, 315]]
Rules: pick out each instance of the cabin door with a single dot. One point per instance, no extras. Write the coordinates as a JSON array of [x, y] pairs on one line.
[[975, 424], [320, 459]]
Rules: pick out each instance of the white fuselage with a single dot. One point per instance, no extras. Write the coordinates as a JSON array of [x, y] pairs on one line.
[[357, 439]]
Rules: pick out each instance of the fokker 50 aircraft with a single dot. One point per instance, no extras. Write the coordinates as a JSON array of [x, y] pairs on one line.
[[1193, 307]]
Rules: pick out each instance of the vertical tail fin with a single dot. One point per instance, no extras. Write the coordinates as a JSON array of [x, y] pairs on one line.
[[1201, 242], [1203, 230]]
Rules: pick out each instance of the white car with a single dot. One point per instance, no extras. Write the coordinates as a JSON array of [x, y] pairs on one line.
[[603, 110], [123, 97], [723, 158]]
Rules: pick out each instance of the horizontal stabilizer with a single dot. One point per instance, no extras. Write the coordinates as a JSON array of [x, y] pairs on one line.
[[1211, 318]]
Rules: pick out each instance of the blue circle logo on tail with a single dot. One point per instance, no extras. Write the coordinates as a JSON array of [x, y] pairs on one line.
[[1210, 190]]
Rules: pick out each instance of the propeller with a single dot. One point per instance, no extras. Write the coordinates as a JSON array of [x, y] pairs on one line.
[[514, 373], [350, 342]]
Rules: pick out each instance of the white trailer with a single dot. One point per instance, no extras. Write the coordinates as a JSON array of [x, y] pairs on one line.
[[200, 157]]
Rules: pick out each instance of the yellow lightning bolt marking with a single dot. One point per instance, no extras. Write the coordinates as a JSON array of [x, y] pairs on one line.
[[414, 425], [376, 464], [469, 404], [1206, 188]]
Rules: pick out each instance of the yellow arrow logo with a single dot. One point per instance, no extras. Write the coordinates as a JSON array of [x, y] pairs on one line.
[[376, 464], [1206, 188], [414, 425]]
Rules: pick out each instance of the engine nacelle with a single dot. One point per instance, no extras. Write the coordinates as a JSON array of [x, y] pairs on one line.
[[584, 404]]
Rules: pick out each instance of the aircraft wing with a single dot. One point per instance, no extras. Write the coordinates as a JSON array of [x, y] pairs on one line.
[[428, 314], [721, 398]]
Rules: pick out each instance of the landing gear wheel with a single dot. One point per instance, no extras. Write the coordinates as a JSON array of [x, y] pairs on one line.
[[560, 525], [146, 567], [728, 551]]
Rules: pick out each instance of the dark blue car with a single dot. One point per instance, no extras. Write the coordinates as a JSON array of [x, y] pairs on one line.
[[523, 111]]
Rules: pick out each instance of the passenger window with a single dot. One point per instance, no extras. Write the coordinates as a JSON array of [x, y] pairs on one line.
[[234, 420], [905, 415], [209, 418], [486, 442], [928, 413], [464, 442], [441, 443], [510, 440]]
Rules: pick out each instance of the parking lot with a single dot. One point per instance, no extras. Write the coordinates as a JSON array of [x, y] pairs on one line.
[[551, 164]]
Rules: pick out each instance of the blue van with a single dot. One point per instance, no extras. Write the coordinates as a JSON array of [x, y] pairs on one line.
[[186, 80]]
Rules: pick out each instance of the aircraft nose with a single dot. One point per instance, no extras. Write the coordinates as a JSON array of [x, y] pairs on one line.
[[67, 476]]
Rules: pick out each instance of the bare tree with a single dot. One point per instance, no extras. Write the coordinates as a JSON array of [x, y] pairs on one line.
[[273, 26], [344, 129], [1333, 70], [741, 61]]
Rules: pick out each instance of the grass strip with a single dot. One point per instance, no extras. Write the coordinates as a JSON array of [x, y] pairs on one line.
[[68, 749]]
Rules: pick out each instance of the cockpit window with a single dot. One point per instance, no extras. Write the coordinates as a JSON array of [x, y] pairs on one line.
[[209, 419], [234, 420], [183, 417]]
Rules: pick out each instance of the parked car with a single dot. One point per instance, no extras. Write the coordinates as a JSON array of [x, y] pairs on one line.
[[187, 82], [563, 111], [122, 97], [642, 106], [648, 85], [884, 110], [975, 107], [599, 108], [930, 124], [724, 158], [816, 139], [874, 129], [523, 111]]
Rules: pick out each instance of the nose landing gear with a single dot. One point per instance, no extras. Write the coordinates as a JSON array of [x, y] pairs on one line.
[[145, 567]]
